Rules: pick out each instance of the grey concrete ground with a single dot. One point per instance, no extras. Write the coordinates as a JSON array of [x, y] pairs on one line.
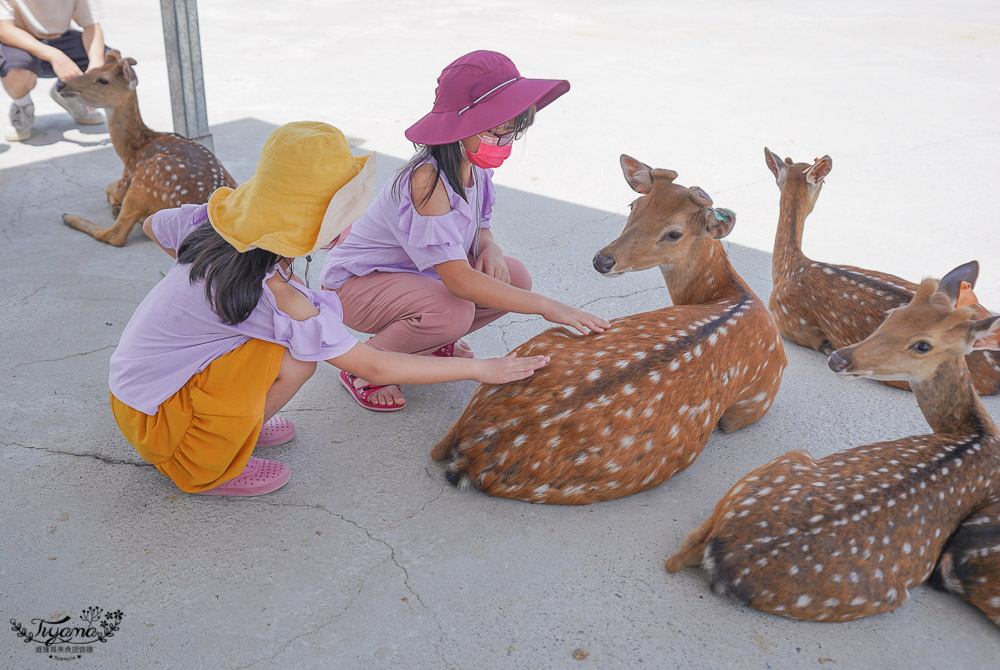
[[367, 558]]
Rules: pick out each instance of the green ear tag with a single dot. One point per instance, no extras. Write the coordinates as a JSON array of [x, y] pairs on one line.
[[720, 216]]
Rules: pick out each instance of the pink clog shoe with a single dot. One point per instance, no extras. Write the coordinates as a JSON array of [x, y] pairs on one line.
[[276, 430], [260, 476]]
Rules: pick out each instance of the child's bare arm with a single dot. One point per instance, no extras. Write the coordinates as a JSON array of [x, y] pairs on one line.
[[386, 367]]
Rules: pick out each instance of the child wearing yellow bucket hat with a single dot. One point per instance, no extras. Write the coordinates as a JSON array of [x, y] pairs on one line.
[[230, 334], [421, 268]]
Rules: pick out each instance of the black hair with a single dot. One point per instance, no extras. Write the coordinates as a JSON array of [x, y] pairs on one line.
[[233, 280], [449, 159]]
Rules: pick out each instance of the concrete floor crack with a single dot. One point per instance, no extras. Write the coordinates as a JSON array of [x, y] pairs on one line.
[[53, 360], [320, 627], [392, 557], [99, 457]]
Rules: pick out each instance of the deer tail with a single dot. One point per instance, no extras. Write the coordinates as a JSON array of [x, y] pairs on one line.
[[693, 549]]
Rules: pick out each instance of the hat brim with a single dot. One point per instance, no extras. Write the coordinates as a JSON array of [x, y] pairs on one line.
[[495, 110]]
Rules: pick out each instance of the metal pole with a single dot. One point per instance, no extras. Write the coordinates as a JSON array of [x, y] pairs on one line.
[[187, 84]]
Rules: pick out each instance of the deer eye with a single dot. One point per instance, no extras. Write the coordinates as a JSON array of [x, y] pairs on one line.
[[921, 347], [671, 236], [103, 80]]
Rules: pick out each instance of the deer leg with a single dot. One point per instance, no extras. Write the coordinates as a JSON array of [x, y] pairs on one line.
[[116, 194], [751, 406], [131, 213]]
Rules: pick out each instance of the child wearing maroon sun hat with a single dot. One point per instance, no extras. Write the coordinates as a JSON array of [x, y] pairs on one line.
[[420, 269]]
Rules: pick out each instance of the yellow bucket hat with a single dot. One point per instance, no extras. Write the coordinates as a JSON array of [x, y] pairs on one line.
[[307, 189]]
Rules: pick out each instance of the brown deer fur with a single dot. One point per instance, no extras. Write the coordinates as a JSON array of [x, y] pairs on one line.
[[845, 536], [970, 563], [162, 170], [621, 411], [824, 306]]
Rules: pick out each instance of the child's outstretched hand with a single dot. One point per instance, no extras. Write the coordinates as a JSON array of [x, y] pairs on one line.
[[584, 322], [509, 368]]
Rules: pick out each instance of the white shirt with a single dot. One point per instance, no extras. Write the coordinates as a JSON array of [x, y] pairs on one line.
[[45, 19]]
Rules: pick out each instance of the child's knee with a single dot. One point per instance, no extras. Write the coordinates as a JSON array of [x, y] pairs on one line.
[[519, 275], [450, 323], [294, 369]]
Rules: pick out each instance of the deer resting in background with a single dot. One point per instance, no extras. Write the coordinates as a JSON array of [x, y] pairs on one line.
[[970, 563], [162, 170], [824, 306], [844, 536], [624, 410]]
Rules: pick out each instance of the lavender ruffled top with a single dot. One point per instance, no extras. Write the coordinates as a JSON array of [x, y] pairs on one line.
[[392, 237], [174, 332]]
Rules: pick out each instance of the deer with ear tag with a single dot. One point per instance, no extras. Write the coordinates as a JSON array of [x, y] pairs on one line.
[[618, 412], [162, 170], [824, 306], [844, 536]]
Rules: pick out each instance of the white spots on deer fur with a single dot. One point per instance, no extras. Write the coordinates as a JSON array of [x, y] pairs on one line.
[[628, 389], [568, 391], [674, 430], [803, 601], [858, 601], [654, 375], [674, 365]]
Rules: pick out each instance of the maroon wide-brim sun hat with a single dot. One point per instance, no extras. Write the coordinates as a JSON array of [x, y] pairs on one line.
[[479, 91]]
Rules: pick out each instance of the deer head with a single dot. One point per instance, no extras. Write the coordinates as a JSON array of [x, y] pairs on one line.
[[799, 177], [936, 327], [667, 223], [105, 86]]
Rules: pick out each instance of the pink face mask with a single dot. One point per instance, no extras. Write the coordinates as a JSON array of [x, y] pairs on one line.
[[490, 154]]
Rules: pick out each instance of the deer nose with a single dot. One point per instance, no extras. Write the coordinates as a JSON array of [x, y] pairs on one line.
[[603, 263], [839, 360]]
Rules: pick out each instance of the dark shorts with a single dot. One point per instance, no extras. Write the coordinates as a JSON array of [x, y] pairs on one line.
[[70, 43]]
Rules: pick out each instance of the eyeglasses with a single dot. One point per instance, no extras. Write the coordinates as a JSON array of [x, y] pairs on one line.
[[503, 139]]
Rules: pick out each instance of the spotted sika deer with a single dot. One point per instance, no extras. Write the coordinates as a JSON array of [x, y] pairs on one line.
[[621, 411], [824, 306], [845, 536], [970, 563], [162, 170]]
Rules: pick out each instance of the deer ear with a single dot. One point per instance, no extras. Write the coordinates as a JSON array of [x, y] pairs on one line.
[[131, 81], [719, 222], [985, 334], [819, 170], [112, 56], [774, 163], [638, 175], [951, 284]]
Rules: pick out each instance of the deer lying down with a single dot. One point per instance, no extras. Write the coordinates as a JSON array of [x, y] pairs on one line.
[[970, 563], [618, 412], [162, 170], [824, 306], [845, 536]]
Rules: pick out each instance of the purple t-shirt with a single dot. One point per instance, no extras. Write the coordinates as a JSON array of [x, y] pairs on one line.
[[392, 237], [174, 332]]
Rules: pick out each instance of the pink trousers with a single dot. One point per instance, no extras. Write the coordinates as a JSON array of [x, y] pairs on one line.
[[414, 314]]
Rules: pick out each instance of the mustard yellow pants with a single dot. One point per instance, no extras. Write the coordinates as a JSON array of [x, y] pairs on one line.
[[203, 435]]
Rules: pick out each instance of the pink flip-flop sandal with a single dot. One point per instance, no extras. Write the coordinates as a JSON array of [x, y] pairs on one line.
[[260, 476], [276, 430], [361, 394]]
